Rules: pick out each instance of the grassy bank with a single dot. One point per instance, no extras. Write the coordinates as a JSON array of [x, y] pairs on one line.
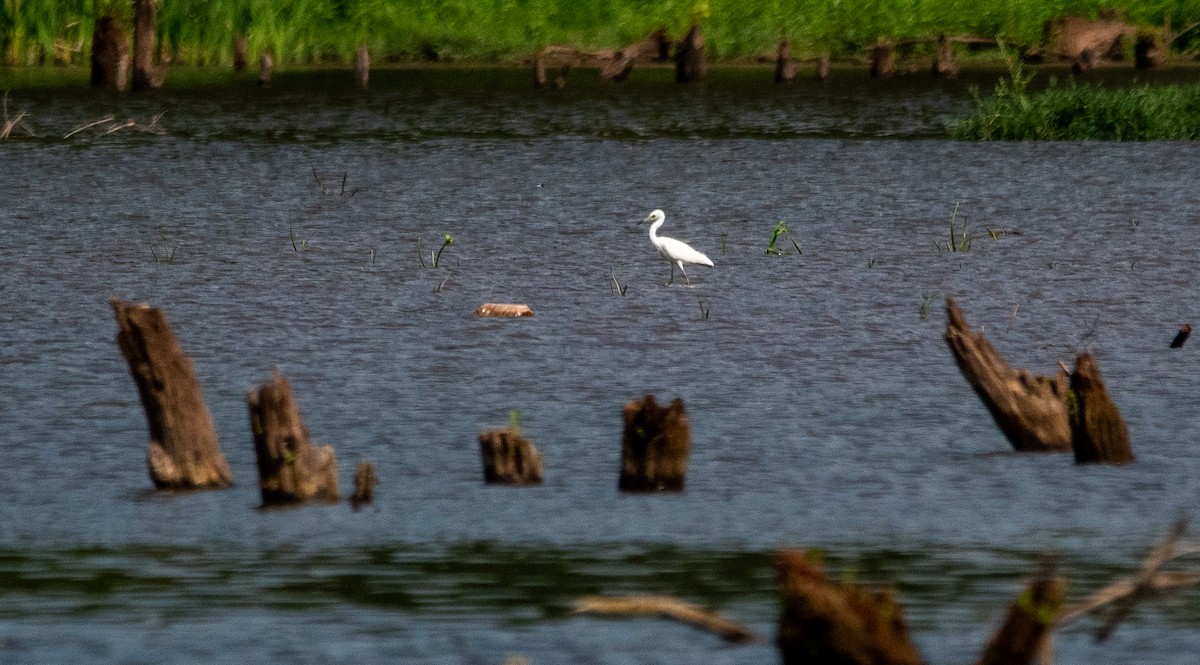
[[1074, 111], [312, 31]]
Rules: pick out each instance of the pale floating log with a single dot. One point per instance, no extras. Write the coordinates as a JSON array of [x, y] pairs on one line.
[[364, 485], [826, 623], [503, 310], [110, 55], [1180, 337], [184, 452], [612, 65], [509, 459], [241, 47], [1098, 431], [290, 468], [362, 67], [146, 74], [945, 65], [655, 446], [691, 65], [1030, 410], [1026, 631], [667, 608], [883, 60], [266, 70], [785, 66]]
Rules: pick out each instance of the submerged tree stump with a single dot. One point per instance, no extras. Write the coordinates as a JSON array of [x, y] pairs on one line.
[[362, 67], [785, 66], [1185, 331], [241, 48], [1028, 625], [1098, 431], [364, 485], [823, 68], [690, 63], [146, 74], [509, 459], [826, 623], [1030, 410], [290, 468], [945, 65], [883, 60], [184, 452], [655, 446], [110, 55], [266, 70]]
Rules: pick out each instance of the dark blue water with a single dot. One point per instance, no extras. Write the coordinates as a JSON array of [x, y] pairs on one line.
[[826, 410]]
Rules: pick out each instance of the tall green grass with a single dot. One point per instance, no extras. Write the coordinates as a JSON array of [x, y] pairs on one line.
[[313, 31], [1074, 112]]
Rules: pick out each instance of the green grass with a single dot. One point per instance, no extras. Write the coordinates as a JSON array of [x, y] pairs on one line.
[[1075, 111], [200, 32]]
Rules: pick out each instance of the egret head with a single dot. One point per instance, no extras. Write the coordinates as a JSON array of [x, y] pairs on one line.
[[654, 217]]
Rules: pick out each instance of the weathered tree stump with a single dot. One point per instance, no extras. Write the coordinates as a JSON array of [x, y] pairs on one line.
[[655, 446], [241, 47], [146, 74], [509, 459], [1149, 51], [1030, 410], [883, 60], [785, 67], [1180, 337], [290, 468], [826, 623], [184, 452], [945, 65], [110, 55], [1028, 625], [823, 68], [1098, 431], [690, 63], [364, 485], [362, 67], [266, 70]]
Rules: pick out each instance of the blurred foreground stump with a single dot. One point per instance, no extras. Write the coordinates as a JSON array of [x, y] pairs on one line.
[[290, 468], [364, 485], [826, 623], [184, 452], [110, 55], [1030, 410], [1098, 433], [509, 459], [691, 65], [655, 446], [1026, 631]]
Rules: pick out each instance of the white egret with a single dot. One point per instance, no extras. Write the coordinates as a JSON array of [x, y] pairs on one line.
[[676, 252]]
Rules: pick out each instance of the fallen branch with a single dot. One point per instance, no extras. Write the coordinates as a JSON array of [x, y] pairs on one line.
[[667, 608], [75, 131]]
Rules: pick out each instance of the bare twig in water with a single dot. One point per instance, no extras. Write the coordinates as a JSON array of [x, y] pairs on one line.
[[320, 184], [117, 128], [9, 125], [75, 131], [667, 608]]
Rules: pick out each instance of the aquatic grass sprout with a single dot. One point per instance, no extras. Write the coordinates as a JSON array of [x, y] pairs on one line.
[[780, 230], [960, 241]]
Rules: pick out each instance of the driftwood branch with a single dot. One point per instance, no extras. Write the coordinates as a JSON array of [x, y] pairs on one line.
[[667, 608]]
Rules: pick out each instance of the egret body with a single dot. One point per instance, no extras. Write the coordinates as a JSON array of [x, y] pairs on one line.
[[676, 252]]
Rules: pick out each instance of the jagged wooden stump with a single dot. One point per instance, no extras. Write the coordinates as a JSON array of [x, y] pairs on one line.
[[240, 47], [1027, 628], [785, 66], [509, 459], [883, 60], [1030, 410], [184, 452], [655, 446], [266, 70], [826, 623], [290, 468], [146, 74], [691, 65], [110, 55], [362, 67], [1098, 431], [945, 65], [364, 485]]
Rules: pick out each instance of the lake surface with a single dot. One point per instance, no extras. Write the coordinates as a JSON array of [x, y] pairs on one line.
[[826, 410]]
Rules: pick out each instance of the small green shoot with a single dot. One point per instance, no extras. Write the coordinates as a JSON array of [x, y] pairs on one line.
[[871, 262], [781, 229], [439, 287], [167, 255], [724, 238], [372, 256], [923, 310], [959, 242], [703, 309], [514, 421], [300, 246], [615, 286]]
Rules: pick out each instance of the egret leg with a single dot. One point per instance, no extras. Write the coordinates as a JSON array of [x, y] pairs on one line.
[[672, 264], [689, 281]]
